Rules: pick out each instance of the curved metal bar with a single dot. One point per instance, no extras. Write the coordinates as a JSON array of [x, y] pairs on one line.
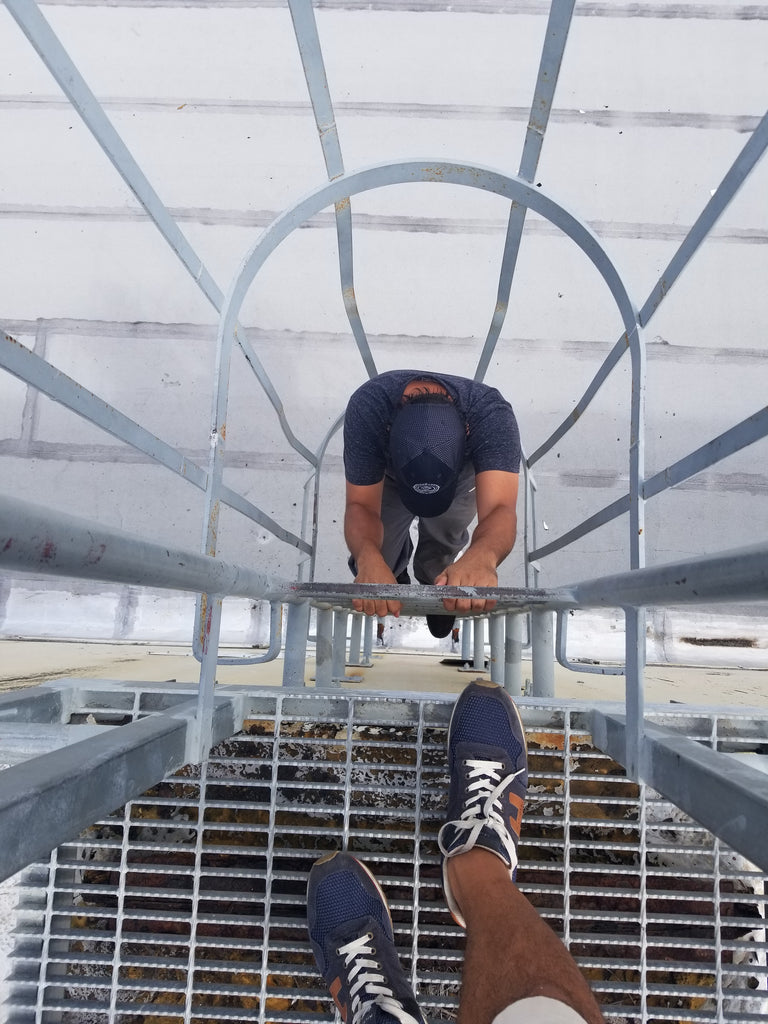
[[555, 38], [517, 191], [274, 399], [347, 277], [275, 641], [310, 51], [455, 173], [561, 644]]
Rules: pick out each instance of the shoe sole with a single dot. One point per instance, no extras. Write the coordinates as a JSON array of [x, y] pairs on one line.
[[493, 686]]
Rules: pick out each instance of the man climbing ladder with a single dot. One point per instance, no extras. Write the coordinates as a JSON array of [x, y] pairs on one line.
[[439, 449]]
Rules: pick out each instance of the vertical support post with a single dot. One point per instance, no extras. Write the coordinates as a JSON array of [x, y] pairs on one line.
[[354, 639], [635, 690], [466, 640], [296, 630], [339, 649], [210, 627], [478, 630], [542, 653], [513, 654], [368, 639], [324, 647], [496, 635]]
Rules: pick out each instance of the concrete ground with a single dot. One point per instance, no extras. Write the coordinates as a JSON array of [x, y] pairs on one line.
[[30, 662]]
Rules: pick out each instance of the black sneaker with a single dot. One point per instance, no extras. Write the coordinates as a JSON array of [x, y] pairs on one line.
[[488, 765], [440, 625], [350, 930]]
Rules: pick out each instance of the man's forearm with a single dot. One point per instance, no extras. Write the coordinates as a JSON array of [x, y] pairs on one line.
[[363, 532], [494, 537]]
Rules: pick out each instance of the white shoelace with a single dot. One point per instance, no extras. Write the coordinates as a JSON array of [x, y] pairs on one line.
[[367, 982], [483, 807]]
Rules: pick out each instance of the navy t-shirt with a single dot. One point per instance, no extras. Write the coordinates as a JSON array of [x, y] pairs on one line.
[[493, 441]]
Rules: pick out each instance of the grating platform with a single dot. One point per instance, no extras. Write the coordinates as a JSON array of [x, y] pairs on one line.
[[188, 904]]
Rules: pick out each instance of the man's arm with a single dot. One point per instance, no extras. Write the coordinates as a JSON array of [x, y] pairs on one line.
[[364, 534], [492, 540]]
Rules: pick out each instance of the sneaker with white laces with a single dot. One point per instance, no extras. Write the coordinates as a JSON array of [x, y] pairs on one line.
[[350, 930], [488, 765]]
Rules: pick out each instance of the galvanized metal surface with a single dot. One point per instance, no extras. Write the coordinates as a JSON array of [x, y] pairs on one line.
[[305, 27], [555, 38], [205, 901], [56, 58], [733, 806], [188, 904], [57, 789]]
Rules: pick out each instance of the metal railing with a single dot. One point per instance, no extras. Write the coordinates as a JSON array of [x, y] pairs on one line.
[[33, 538]]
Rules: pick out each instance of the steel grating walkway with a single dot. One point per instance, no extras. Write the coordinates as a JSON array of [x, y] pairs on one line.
[[188, 904]]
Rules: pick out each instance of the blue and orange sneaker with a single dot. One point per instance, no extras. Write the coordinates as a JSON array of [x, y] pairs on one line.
[[488, 765], [350, 930]]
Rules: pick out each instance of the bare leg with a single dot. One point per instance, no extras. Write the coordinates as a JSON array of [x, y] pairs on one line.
[[511, 952]]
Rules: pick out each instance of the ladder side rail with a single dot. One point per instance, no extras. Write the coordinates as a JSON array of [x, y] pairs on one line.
[[55, 57], [744, 163], [47, 800], [310, 51], [29, 367], [35, 538], [555, 38], [315, 500], [748, 431]]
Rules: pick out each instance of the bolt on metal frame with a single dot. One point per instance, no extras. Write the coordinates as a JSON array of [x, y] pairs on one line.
[[673, 766]]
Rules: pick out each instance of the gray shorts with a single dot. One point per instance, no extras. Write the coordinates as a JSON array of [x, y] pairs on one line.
[[440, 539], [538, 1010]]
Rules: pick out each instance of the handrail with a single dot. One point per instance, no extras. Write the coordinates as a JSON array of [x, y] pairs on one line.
[[34, 538]]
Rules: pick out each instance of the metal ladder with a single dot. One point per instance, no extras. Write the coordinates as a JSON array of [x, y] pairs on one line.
[[179, 763]]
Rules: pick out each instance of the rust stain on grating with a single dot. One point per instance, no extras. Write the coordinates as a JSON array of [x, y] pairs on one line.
[[188, 904]]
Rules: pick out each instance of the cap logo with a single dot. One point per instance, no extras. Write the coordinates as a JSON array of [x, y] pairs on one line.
[[426, 488]]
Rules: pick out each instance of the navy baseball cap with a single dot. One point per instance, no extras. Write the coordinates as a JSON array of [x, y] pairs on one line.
[[427, 446]]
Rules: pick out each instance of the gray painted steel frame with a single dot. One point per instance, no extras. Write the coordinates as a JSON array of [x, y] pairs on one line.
[[305, 27], [33, 538], [732, 804], [74, 547], [555, 38], [196, 891], [46, 800]]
